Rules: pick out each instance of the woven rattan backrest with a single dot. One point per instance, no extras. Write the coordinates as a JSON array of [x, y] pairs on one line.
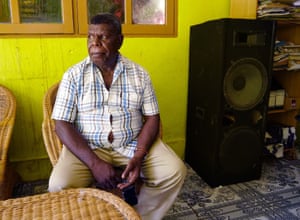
[[51, 141], [7, 121]]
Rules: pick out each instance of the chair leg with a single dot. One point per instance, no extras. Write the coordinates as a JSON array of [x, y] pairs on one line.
[[7, 186]]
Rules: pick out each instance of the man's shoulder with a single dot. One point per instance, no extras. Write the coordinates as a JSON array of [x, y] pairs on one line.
[[77, 70], [82, 63], [132, 65], [79, 66]]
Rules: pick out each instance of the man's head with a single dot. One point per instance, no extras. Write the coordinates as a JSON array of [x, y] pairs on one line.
[[107, 18], [104, 39]]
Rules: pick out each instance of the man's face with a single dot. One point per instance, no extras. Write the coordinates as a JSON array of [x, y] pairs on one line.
[[103, 44]]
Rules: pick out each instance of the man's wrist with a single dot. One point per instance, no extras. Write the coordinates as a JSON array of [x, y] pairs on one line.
[[140, 153]]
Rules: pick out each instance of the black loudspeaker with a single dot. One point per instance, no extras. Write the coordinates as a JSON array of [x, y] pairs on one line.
[[230, 68]]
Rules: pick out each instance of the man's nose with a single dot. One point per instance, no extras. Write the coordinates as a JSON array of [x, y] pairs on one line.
[[96, 41]]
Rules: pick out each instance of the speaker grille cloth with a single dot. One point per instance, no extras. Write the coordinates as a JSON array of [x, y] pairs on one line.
[[239, 151], [245, 84]]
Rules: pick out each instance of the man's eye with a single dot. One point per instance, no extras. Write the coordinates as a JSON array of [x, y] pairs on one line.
[[92, 37], [104, 37]]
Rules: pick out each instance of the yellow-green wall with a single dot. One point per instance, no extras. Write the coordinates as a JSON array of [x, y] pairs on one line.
[[29, 66]]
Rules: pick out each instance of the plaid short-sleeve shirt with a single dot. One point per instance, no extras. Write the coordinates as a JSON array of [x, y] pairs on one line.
[[83, 100]]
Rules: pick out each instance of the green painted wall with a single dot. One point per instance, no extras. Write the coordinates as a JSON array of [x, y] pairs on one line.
[[29, 66]]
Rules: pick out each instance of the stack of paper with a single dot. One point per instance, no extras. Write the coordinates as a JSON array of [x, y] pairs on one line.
[[279, 9], [281, 57], [286, 56], [289, 2], [294, 56]]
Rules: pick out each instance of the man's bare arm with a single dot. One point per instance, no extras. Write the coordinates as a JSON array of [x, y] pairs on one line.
[[102, 171], [147, 135]]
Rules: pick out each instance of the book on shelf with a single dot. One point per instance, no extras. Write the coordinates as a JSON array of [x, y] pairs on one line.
[[293, 65], [280, 57], [289, 2], [295, 48], [294, 56]]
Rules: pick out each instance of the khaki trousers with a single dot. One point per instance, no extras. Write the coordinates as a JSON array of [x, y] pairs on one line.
[[163, 173]]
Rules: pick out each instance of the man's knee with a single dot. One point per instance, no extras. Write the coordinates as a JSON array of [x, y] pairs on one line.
[[52, 187], [180, 171], [59, 183]]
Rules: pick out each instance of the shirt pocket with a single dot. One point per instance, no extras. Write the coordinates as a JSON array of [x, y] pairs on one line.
[[87, 103], [131, 99]]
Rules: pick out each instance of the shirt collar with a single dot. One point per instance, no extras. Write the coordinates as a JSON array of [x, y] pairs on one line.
[[119, 66], [118, 69]]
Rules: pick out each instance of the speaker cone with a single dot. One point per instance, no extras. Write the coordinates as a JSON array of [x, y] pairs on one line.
[[245, 84]]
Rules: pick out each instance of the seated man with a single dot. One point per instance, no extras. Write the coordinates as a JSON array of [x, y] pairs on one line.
[[106, 115]]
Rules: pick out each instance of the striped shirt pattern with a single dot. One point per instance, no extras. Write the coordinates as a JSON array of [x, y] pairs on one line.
[[83, 100]]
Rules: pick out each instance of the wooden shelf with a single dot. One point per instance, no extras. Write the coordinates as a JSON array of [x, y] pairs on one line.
[[290, 104], [289, 31], [276, 111]]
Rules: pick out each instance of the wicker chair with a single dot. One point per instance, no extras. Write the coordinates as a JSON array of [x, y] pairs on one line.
[[7, 120], [51, 141], [80, 203]]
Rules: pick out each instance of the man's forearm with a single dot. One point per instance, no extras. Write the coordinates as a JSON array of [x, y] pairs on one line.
[[75, 142], [147, 135]]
